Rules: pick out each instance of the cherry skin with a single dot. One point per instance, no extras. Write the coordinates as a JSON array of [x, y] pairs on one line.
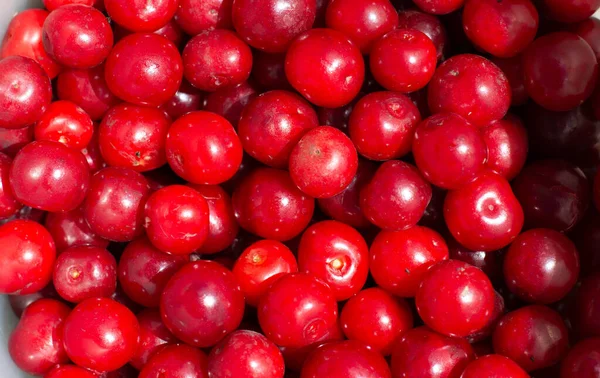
[[513, 69], [35, 345], [490, 262], [560, 71], [268, 71], [18, 303], [25, 92], [203, 148], [230, 102], [470, 86], [77, 36], [50, 176], [297, 310], [494, 365], [155, 63], [507, 146], [403, 60], [382, 125], [429, 25], [376, 318], [534, 337], [24, 38], [400, 260], [570, 10], [154, 336], [344, 359], [396, 197], [272, 25], [325, 67], [144, 271], [101, 334], [69, 371], [421, 351], [114, 207], [260, 265], [194, 17], [176, 219], [186, 99], [133, 137], [54, 4], [245, 354], [586, 307], [363, 21], [324, 162], [66, 123], [554, 194], [216, 59], [193, 302], [9, 205], [460, 161], [12, 140], [509, 26], [69, 229], [484, 214], [439, 7], [85, 272], [268, 204], [176, 361], [272, 124], [141, 16], [589, 30], [583, 360], [338, 117]]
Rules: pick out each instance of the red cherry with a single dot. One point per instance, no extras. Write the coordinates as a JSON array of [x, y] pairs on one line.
[[141, 16], [489, 262], [268, 70], [229, 102], [586, 307], [484, 214], [154, 337], [485, 332], [590, 31], [268, 204], [429, 25], [114, 207], [144, 271], [494, 364], [12, 140], [18, 303], [297, 310], [77, 36], [513, 69], [335, 72], [271, 25], [396, 197], [439, 6], [534, 337], [187, 99], [583, 360], [382, 125], [176, 361], [203, 148], [403, 60], [570, 10], [69, 371], [421, 351], [69, 229], [507, 146], [376, 318], [216, 59], [101, 334], [50, 176], [193, 302], [295, 357], [9, 205], [471, 86], [260, 265], [194, 17], [25, 92], [462, 158], [272, 124], [53, 4], [400, 259], [36, 344], [66, 123], [155, 63], [338, 117]]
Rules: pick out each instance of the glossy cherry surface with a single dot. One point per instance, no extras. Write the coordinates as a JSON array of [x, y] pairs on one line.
[[590, 31], [231, 101], [141, 16], [583, 360], [69, 229], [325, 67], [194, 17], [396, 197], [66, 123], [428, 24], [494, 365], [69, 371], [570, 10], [439, 7], [507, 146], [154, 336], [177, 361]]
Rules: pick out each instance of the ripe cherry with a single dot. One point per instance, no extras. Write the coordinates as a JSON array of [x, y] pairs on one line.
[[490, 262], [66, 123], [154, 337], [194, 17], [9, 205], [12, 140], [69, 229], [429, 25], [590, 31], [141, 16], [583, 360], [513, 69], [507, 146], [18, 303], [229, 102], [54, 4], [186, 99], [178, 361], [586, 307], [494, 365], [570, 10], [69, 371]]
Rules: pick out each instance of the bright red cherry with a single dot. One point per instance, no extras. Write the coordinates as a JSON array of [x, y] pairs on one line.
[[36, 344], [114, 207], [560, 71], [134, 137], [9, 205], [297, 310], [25, 92], [194, 17], [67, 123], [54, 4], [396, 197], [229, 102], [260, 265], [470, 86], [422, 352], [513, 69], [271, 25], [400, 260], [69, 371], [428, 24], [439, 6], [494, 365], [507, 146], [484, 214], [570, 10], [141, 15], [50, 176], [77, 36], [324, 162], [272, 124], [155, 64], [12, 140], [268, 204], [154, 337], [177, 361], [101, 334], [382, 125], [325, 67], [216, 59], [69, 229], [403, 60], [583, 360], [460, 160], [203, 148], [193, 302], [376, 318], [535, 337], [187, 99]]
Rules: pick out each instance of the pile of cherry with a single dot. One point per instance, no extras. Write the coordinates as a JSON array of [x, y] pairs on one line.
[[302, 188]]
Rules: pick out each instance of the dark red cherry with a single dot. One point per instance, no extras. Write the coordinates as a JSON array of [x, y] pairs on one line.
[[12, 140], [187, 99], [141, 16], [589, 30], [583, 360], [570, 10], [154, 337], [176, 361], [439, 6], [9, 205], [429, 25], [66, 123], [507, 146], [70, 229], [18, 303], [586, 237], [586, 307], [513, 69], [229, 102], [494, 365], [268, 70]]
